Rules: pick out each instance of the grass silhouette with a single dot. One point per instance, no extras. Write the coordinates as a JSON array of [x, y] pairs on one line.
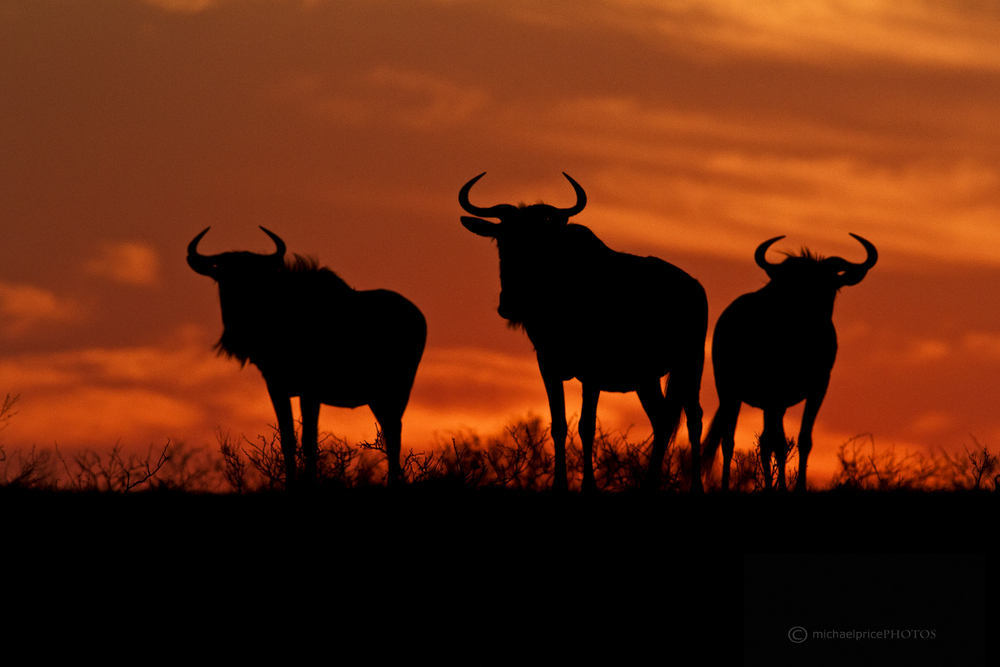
[[519, 458]]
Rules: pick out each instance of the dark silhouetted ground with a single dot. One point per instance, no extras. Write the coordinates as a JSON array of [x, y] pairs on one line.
[[485, 572]]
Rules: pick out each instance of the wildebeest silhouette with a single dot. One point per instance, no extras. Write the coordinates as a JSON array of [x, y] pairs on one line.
[[313, 336], [617, 322], [774, 348]]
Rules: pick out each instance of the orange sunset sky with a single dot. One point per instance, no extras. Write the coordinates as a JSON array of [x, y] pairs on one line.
[[698, 128]]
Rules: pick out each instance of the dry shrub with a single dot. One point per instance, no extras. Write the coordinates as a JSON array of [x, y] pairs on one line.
[[863, 467]]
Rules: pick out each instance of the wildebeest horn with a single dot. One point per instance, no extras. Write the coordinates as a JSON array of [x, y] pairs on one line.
[[280, 252], [491, 212], [193, 246], [855, 272], [200, 263], [581, 198], [761, 255], [498, 210]]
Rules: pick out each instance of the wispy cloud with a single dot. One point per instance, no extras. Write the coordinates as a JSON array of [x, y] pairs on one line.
[[126, 262], [959, 34], [894, 348], [94, 396], [179, 366], [26, 307], [956, 34], [726, 203], [415, 99]]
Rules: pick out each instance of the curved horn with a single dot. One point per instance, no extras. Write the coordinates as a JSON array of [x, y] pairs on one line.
[[463, 200], [280, 252], [855, 272], [760, 256], [581, 198], [193, 246], [200, 263]]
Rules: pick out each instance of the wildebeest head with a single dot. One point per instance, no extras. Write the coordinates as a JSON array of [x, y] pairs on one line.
[[811, 276], [248, 282], [529, 240], [238, 265]]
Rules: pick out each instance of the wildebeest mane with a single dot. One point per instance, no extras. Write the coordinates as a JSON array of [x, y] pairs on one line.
[[304, 266], [806, 253]]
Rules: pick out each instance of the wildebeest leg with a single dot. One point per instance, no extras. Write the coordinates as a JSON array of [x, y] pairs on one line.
[[557, 409], [727, 417], [772, 440], [780, 459], [688, 395], [588, 425], [805, 435], [662, 415], [310, 426], [390, 419], [286, 431]]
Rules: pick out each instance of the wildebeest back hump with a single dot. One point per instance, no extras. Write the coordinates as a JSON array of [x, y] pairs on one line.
[[375, 336], [649, 295]]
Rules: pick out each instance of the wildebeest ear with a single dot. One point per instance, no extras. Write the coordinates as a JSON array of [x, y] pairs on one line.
[[480, 226]]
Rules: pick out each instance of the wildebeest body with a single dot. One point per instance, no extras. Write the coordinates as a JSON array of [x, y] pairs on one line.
[[313, 336], [775, 348], [615, 321]]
